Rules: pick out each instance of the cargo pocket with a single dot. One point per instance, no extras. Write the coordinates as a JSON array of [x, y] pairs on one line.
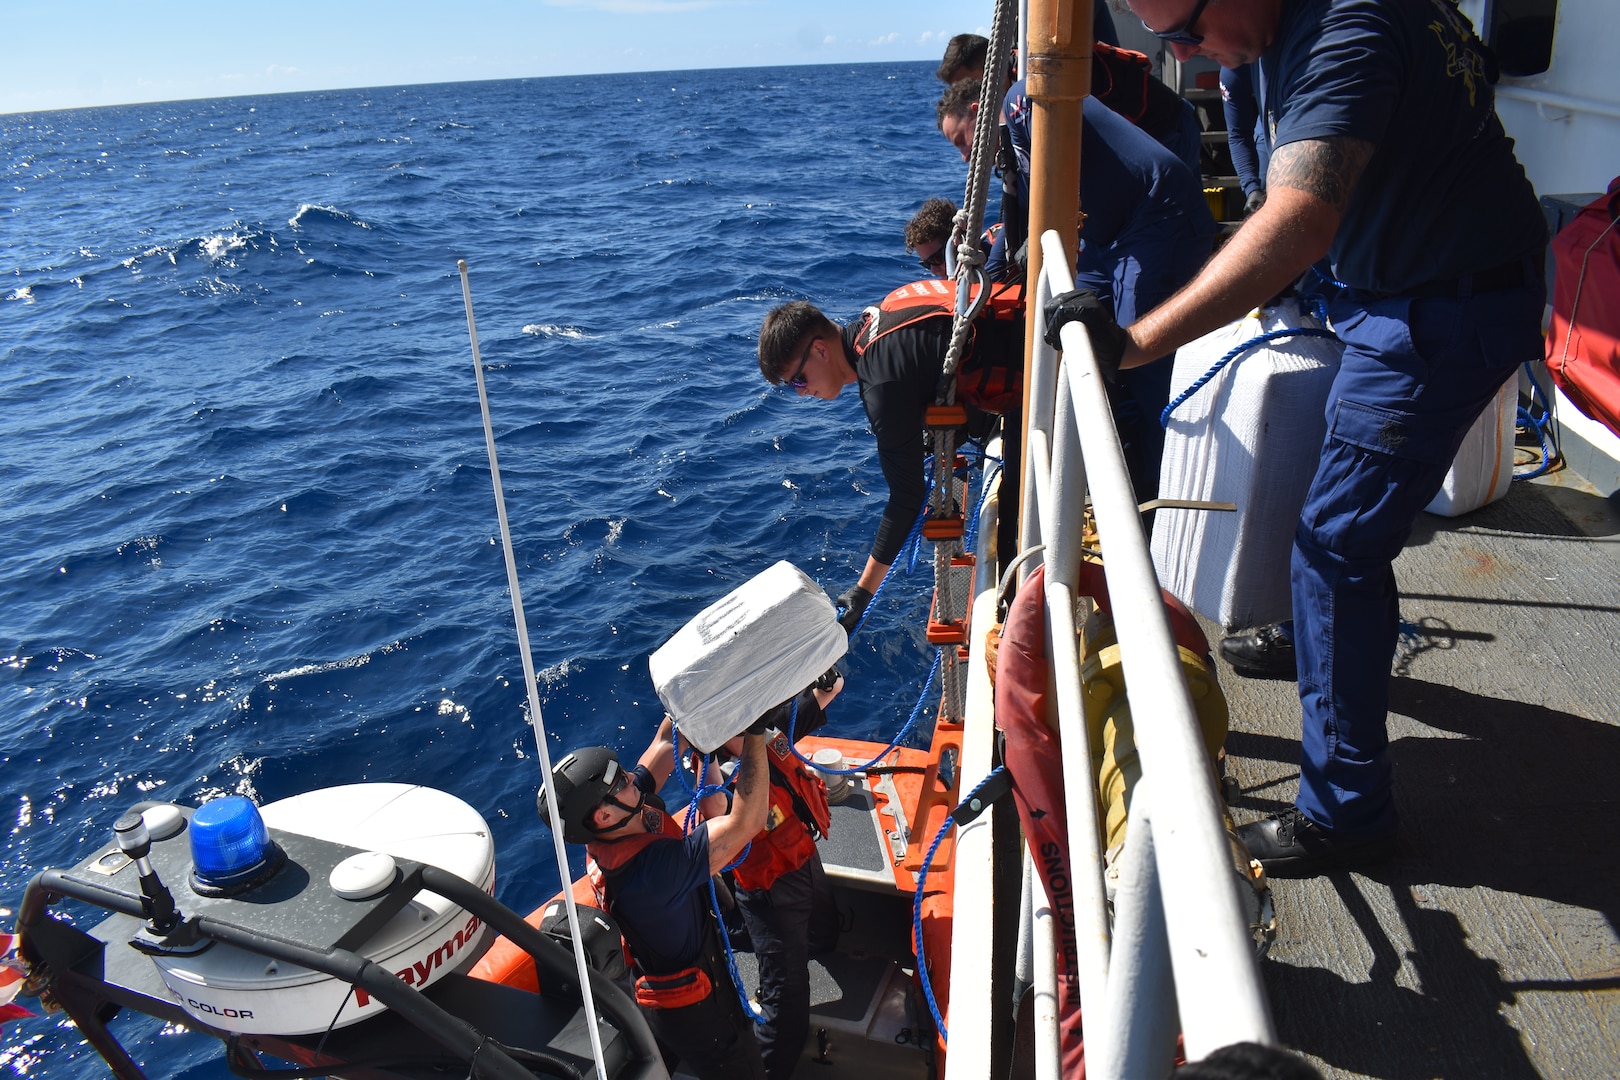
[[1389, 431]]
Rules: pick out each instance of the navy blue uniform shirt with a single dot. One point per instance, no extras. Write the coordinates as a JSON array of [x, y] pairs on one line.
[[1136, 195], [1242, 127], [1442, 195], [661, 901]]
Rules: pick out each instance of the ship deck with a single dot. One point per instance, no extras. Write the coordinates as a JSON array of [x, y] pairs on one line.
[[1490, 946]]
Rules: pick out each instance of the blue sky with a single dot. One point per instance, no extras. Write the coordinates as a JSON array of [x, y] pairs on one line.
[[99, 52]]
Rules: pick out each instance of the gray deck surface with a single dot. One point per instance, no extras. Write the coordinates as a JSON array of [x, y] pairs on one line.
[[1490, 946]]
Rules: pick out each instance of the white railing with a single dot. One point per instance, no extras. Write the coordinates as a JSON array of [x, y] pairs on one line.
[[1178, 954]]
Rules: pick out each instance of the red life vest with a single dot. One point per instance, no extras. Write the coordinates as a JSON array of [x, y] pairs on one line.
[[788, 839], [610, 855], [994, 384]]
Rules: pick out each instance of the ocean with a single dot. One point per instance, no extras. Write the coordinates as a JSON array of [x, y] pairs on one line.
[[248, 542]]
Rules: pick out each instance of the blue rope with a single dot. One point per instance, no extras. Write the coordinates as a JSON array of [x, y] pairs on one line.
[[913, 539], [1550, 453], [757, 1016], [1252, 343], [917, 899], [911, 722], [911, 547], [1326, 278], [702, 792], [972, 537]]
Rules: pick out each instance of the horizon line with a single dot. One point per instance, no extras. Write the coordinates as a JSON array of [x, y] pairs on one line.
[[4, 115]]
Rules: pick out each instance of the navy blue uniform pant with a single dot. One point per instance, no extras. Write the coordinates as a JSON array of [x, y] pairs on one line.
[[788, 922], [1415, 375], [712, 1039]]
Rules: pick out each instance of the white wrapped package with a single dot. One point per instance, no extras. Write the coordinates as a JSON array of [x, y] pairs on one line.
[[1482, 472], [759, 645], [1251, 436]]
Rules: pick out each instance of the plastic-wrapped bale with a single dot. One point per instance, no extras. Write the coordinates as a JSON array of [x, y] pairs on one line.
[[1252, 436], [1482, 471], [754, 648]]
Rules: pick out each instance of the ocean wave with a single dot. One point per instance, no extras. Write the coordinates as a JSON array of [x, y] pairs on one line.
[[221, 249], [221, 245], [321, 668], [315, 214], [552, 330], [196, 378], [46, 660]]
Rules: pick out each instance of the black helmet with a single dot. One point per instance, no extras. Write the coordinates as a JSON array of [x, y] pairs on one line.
[[604, 949], [582, 779]]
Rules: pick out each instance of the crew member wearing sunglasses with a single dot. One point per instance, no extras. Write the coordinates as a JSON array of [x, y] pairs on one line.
[[1387, 156], [929, 230], [895, 353]]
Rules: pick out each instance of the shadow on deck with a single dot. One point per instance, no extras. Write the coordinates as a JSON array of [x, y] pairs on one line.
[[1490, 946]]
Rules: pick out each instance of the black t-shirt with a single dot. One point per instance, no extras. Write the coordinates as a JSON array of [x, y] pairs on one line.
[[1442, 194], [899, 379]]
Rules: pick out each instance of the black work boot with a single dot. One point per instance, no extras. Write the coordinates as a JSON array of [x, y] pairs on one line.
[[1264, 653], [1290, 844]]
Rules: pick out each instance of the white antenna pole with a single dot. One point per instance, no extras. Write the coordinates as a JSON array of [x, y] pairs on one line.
[[529, 681]]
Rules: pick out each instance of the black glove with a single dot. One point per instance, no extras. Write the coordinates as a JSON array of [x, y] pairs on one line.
[[1108, 341], [1256, 199], [854, 603], [828, 680]]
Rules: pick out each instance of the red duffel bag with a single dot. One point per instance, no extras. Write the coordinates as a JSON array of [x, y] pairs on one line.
[[1583, 341]]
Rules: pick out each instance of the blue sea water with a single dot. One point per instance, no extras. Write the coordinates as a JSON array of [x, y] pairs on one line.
[[248, 542]]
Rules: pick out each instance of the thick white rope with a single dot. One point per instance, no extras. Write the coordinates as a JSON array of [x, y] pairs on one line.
[[967, 231], [535, 718]]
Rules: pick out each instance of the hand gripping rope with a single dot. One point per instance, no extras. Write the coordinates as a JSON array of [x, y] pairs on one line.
[[698, 794]]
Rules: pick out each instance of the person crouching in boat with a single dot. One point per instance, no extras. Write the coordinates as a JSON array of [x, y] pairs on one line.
[[782, 891], [896, 352], [654, 881]]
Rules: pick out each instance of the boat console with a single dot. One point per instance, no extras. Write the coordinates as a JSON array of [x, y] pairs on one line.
[[333, 930]]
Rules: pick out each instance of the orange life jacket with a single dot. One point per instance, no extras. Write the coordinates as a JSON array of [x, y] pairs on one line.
[[609, 855], [788, 840], [994, 384]]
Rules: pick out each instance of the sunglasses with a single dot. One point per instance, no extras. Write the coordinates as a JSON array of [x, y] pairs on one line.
[[1183, 35], [935, 262], [797, 379], [616, 788]]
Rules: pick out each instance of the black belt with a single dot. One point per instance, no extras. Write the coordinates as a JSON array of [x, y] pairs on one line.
[[1508, 275]]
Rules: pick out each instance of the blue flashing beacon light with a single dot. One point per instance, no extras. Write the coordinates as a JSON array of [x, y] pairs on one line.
[[229, 842]]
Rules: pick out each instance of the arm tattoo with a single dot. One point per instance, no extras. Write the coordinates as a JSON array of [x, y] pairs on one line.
[[1325, 168]]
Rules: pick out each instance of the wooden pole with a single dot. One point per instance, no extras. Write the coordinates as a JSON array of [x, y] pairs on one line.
[[1057, 71]]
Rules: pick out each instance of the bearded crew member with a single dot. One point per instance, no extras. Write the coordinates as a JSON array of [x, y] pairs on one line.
[[654, 881]]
